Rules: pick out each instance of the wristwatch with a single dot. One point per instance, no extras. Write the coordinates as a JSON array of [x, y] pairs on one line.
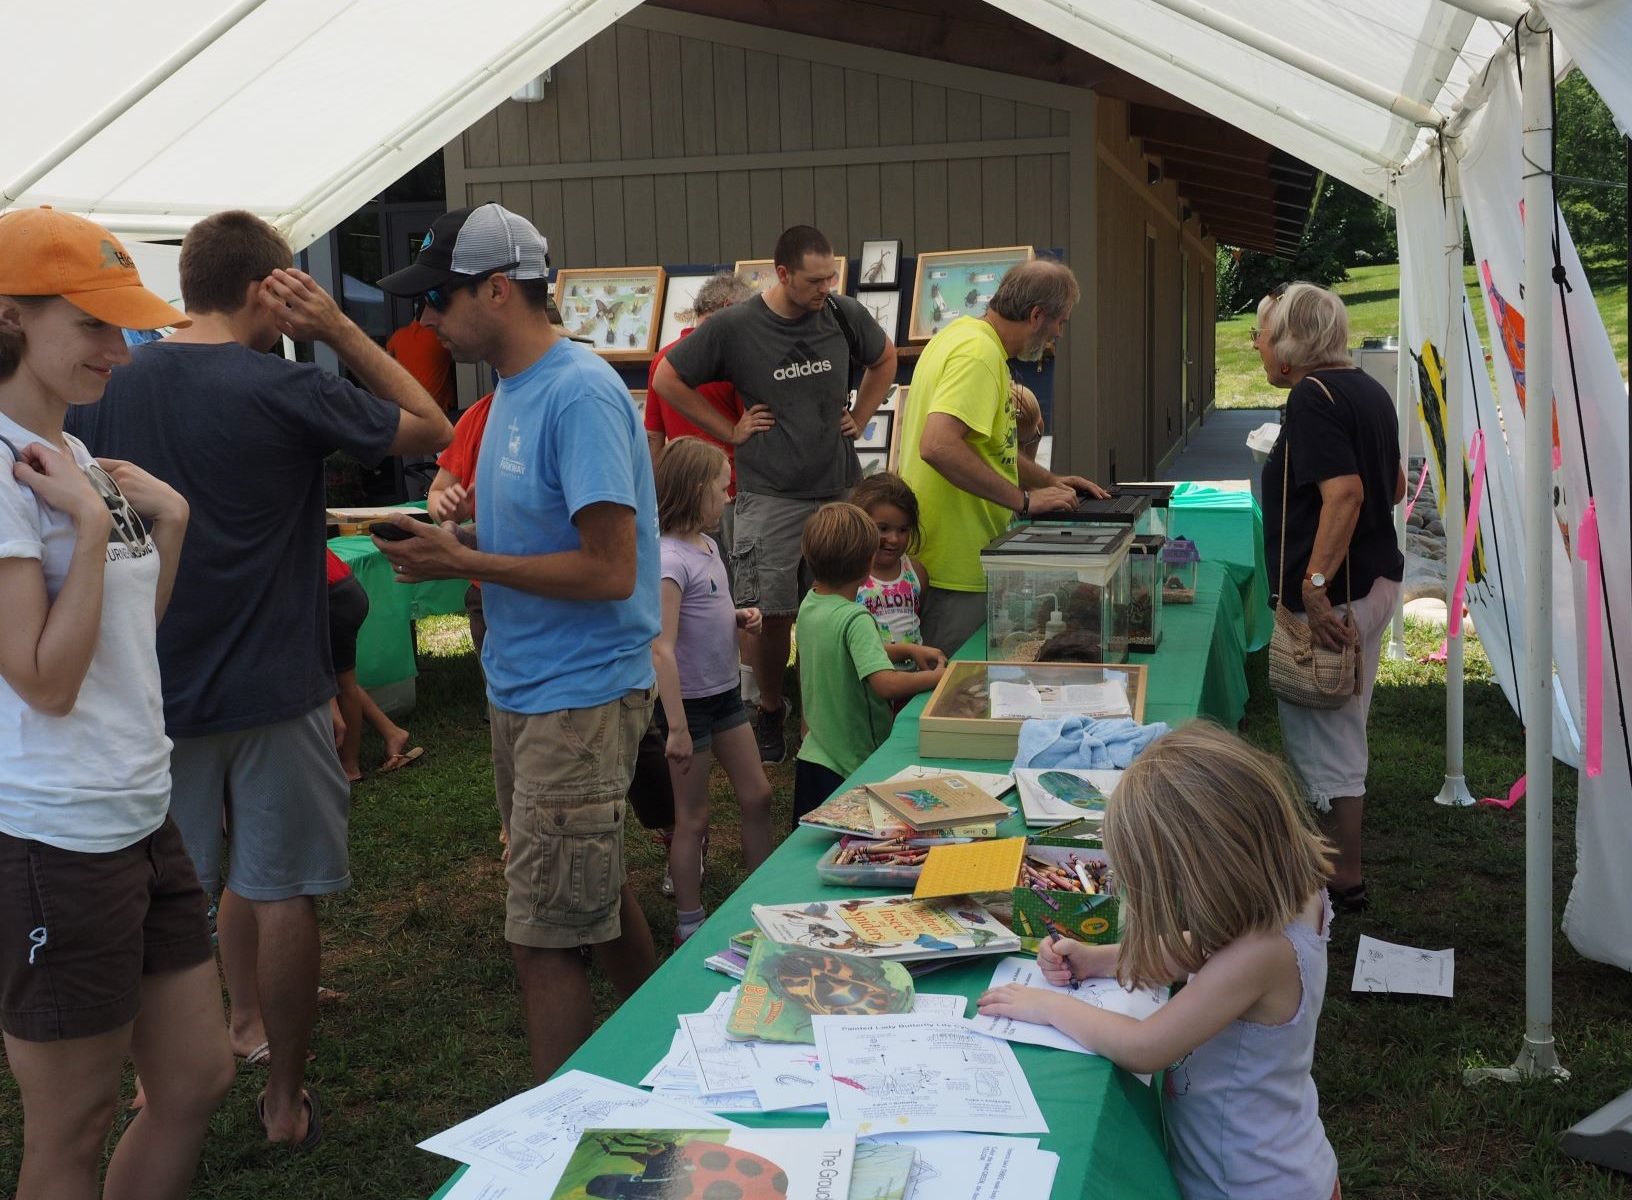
[[1025, 503], [1316, 578]]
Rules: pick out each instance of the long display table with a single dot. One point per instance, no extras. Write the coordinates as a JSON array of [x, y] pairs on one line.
[[1105, 1125]]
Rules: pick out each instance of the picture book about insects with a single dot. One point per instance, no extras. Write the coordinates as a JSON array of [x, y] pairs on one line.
[[1055, 796], [674, 1164], [896, 927], [940, 802], [785, 985]]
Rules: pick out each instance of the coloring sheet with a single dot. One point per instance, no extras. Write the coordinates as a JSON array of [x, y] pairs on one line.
[[975, 1166], [911, 1072], [1385, 967], [528, 1139], [1107, 994]]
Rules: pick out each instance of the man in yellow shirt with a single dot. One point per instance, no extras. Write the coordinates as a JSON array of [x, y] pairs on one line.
[[958, 452]]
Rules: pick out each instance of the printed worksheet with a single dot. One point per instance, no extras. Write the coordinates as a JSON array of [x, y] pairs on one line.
[[1024, 700], [1107, 994], [910, 1072], [529, 1138], [975, 1166], [1384, 967]]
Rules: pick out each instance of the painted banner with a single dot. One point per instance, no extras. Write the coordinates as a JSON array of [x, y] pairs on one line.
[[1495, 593], [1591, 467]]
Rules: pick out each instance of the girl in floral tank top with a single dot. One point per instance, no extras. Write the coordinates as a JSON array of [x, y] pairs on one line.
[[894, 591]]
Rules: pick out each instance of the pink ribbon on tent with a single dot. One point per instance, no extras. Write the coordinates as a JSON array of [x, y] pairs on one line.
[[1470, 535], [1422, 479], [1514, 795], [1589, 552]]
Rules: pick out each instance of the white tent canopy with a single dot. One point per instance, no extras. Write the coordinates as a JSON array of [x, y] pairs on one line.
[[299, 111]]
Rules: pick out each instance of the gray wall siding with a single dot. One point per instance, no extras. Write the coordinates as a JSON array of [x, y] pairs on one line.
[[672, 139]]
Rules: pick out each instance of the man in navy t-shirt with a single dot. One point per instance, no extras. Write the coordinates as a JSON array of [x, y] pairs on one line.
[[566, 550], [244, 647]]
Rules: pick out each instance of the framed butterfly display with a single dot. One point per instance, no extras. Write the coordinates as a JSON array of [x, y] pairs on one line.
[[617, 309]]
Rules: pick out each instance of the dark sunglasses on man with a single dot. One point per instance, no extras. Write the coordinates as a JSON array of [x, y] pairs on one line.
[[441, 298]]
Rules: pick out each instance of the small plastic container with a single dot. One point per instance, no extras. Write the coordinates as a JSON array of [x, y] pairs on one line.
[[872, 874], [1145, 580], [1154, 520], [1043, 580], [1179, 559]]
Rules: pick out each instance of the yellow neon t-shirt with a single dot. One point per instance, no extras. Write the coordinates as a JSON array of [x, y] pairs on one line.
[[963, 372]]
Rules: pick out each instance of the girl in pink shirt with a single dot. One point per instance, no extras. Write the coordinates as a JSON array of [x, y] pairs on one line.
[[894, 591]]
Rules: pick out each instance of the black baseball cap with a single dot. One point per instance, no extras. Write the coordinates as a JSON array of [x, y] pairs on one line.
[[468, 242]]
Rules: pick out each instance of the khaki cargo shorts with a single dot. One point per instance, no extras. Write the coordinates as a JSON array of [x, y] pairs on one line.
[[561, 779]]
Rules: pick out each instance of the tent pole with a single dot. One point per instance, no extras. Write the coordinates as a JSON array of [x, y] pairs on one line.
[[1402, 412], [1341, 78], [1503, 12], [1453, 504], [1537, 1056], [127, 100]]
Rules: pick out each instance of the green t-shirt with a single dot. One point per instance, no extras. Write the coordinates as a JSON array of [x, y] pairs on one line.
[[839, 646], [964, 372]]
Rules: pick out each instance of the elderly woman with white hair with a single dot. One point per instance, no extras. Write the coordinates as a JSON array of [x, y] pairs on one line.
[[1339, 457]]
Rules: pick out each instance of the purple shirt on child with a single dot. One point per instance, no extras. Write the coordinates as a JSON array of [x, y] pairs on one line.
[[705, 648]]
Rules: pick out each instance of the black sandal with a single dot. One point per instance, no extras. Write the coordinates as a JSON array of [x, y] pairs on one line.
[[1349, 899]]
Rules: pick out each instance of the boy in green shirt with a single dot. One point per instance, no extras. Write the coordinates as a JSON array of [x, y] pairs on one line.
[[847, 678]]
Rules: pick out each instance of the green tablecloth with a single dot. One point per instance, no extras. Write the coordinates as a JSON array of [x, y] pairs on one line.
[[1228, 527], [1105, 1125], [385, 644]]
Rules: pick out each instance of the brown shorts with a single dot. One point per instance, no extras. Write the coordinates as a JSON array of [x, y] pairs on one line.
[[79, 931], [561, 780]]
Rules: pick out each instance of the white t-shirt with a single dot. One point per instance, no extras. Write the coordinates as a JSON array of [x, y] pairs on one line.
[[97, 779]]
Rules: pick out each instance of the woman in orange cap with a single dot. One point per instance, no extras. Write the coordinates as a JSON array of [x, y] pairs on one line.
[[104, 943]]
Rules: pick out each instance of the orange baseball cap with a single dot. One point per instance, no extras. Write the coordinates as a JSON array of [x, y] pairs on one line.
[[44, 252]]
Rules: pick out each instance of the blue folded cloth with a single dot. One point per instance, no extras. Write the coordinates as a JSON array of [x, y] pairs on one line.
[[1084, 743]]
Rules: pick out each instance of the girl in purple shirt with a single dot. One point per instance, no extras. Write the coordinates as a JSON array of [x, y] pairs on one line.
[[698, 681]]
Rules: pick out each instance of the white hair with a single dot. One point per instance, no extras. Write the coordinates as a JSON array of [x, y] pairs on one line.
[[1307, 327]]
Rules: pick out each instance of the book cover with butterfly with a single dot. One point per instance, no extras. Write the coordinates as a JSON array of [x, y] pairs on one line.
[[898, 927]]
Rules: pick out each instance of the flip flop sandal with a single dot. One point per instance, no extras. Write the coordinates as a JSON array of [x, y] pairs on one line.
[[314, 1121], [397, 762]]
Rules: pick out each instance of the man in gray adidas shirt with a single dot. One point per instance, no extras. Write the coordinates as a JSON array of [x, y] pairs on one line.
[[789, 357]]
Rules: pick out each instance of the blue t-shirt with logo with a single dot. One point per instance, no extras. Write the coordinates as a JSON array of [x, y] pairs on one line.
[[562, 435]]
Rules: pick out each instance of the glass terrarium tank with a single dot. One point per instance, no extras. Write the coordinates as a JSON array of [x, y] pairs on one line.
[[1045, 580], [1179, 559], [978, 707], [1145, 579], [1154, 519]]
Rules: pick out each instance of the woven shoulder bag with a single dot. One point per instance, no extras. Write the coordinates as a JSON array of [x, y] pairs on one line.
[[1301, 670]]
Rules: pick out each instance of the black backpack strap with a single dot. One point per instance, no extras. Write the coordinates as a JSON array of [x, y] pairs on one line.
[[851, 337]]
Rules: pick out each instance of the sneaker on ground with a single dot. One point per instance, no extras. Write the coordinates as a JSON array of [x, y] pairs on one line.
[[768, 733]]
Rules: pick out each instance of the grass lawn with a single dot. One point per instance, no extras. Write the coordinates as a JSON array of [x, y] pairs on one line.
[[430, 1032], [1372, 295]]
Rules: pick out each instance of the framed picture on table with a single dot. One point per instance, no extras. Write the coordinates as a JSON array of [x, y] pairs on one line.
[[885, 308], [957, 283], [880, 265], [760, 273], [899, 402], [678, 298], [617, 310], [876, 434]]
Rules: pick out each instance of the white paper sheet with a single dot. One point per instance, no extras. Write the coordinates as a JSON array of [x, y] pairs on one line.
[[1107, 994], [1385, 967], [910, 1072], [974, 1166], [530, 1137], [476, 1184], [988, 781], [1023, 700]]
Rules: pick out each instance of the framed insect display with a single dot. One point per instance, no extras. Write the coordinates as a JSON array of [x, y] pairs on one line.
[[638, 395], [760, 273], [678, 298], [885, 308], [876, 436], [899, 404], [880, 265], [957, 283], [872, 462], [618, 309]]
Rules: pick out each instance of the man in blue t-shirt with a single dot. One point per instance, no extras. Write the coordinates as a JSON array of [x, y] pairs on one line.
[[566, 550]]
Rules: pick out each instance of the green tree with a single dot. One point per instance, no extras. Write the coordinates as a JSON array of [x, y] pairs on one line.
[[1346, 228], [1589, 147]]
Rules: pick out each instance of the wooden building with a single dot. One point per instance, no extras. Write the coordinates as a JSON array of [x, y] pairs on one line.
[[694, 131]]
